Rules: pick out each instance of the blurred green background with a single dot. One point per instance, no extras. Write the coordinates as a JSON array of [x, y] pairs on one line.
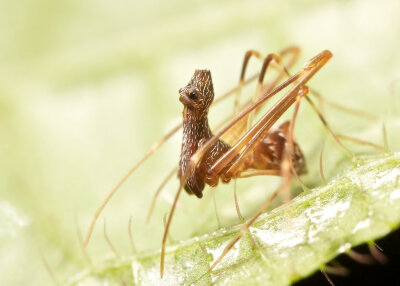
[[87, 86]]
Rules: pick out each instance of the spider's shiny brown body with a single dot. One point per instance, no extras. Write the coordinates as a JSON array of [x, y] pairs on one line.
[[197, 97]]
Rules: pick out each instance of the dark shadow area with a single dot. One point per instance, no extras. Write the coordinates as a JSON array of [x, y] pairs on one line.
[[362, 274]]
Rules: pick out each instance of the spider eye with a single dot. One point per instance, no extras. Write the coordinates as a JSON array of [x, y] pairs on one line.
[[193, 95]]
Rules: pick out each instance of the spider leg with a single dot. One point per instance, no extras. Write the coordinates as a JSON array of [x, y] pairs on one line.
[[253, 173], [183, 180], [158, 191], [239, 214], [49, 269], [131, 235], [246, 59], [152, 150], [290, 148], [385, 138], [343, 108], [269, 60], [352, 111], [285, 172], [80, 239], [290, 141], [291, 50], [292, 145], [108, 240], [285, 168], [361, 142], [325, 123], [266, 62]]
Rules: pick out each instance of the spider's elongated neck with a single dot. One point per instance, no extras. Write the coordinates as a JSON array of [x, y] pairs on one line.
[[196, 97], [195, 128]]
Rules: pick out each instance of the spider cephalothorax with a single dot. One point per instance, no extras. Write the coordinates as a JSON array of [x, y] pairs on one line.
[[197, 97]]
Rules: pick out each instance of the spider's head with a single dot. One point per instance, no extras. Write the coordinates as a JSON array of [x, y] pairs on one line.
[[198, 94]]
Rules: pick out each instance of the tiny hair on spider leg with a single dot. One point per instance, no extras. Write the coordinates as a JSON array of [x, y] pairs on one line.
[[108, 240], [131, 236], [49, 270]]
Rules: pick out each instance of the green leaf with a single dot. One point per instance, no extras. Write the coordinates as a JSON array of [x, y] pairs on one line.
[[292, 241]]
